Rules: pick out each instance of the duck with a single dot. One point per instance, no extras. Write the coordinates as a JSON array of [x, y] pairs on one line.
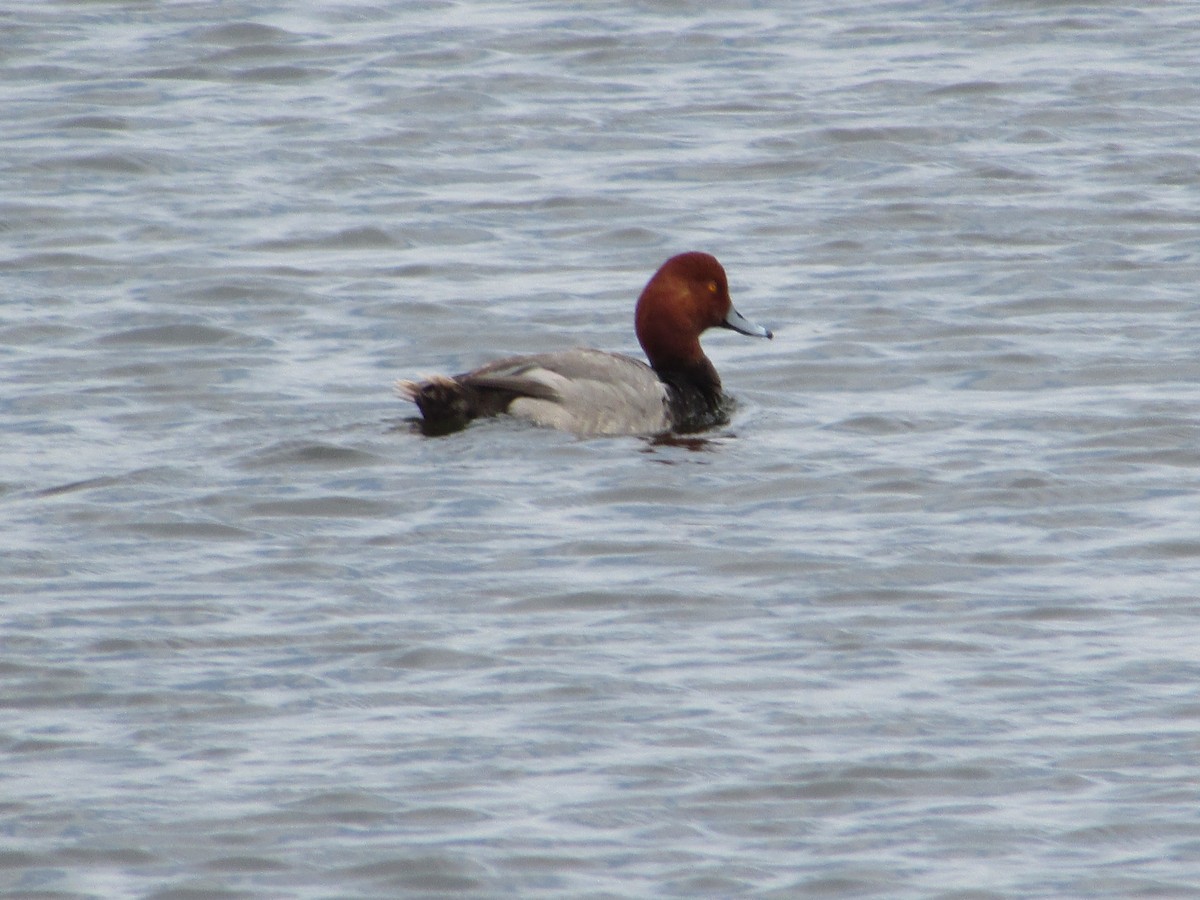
[[595, 392]]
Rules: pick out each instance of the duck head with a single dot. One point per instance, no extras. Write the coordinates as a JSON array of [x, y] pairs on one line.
[[686, 296]]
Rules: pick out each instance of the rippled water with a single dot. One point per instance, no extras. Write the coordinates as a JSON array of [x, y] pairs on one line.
[[920, 622]]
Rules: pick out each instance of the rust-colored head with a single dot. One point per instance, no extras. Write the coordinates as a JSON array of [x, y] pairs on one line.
[[687, 295]]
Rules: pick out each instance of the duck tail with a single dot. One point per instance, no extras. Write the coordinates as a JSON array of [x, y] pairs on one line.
[[446, 404]]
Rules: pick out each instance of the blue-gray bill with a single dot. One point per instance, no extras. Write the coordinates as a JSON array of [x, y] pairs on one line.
[[742, 325]]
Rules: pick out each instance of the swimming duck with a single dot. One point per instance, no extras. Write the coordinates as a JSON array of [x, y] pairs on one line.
[[593, 392]]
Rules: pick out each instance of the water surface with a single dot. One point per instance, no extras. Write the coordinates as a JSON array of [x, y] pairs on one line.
[[918, 623]]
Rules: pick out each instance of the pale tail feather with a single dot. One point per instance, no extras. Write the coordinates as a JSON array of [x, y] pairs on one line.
[[411, 390]]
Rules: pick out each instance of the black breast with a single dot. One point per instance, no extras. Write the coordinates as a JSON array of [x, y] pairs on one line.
[[696, 399]]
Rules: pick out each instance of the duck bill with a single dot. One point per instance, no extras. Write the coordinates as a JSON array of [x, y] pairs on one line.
[[742, 325]]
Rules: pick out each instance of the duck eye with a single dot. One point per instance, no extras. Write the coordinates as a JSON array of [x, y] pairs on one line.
[[712, 287]]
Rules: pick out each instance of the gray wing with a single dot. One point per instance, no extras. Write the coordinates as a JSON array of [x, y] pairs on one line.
[[585, 391]]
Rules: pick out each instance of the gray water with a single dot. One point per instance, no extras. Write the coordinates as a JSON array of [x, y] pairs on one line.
[[919, 622]]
